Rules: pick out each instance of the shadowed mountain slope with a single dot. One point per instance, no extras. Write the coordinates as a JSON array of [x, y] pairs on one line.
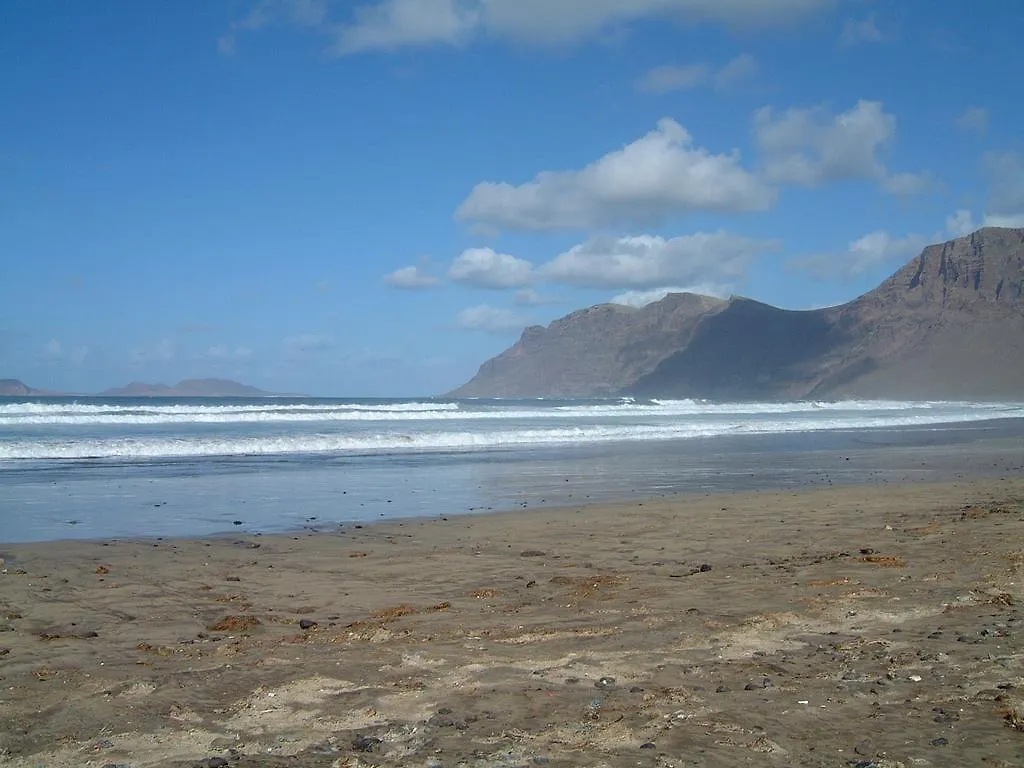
[[950, 324]]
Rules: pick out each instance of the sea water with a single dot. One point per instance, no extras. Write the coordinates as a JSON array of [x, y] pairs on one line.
[[99, 467]]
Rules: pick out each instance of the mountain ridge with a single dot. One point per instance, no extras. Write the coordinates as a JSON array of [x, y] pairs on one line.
[[948, 324]]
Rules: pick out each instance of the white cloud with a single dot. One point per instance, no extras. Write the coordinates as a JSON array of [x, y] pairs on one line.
[[674, 78], [488, 319], [484, 268], [53, 349], [678, 78], [973, 120], [162, 351], [735, 71], [643, 298], [647, 261], [861, 256], [411, 279], [263, 13], [811, 147], [396, 23], [530, 298], [1006, 189], [860, 31], [390, 24], [308, 342], [961, 223], [659, 175]]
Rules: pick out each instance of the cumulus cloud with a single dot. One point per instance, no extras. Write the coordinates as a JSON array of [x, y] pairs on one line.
[[302, 13], [659, 175], [528, 297], [648, 261], [643, 298], [488, 319], [484, 268], [811, 147], [397, 23], [861, 256], [961, 223], [859, 31], [973, 120], [678, 78], [392, 24], [411, 279], [308, 342], [1006, 189]]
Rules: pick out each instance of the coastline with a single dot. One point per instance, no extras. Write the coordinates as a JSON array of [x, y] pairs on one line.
[[802, 627]]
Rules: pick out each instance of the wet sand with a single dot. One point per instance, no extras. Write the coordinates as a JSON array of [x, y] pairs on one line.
[[863, 626]]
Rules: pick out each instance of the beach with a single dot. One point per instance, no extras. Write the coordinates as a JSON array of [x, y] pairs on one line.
[[870, 625]]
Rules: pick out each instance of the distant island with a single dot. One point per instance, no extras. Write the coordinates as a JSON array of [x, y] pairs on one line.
[[948, 325], [188, 388], [16, 388], [184, 388]]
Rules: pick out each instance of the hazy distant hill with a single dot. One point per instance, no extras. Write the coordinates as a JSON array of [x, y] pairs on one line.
[[14, 388], [187, 388], [949, 324]]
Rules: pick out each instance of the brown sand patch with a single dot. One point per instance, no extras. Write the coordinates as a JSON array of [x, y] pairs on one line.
[[884, 561], [235, 624]]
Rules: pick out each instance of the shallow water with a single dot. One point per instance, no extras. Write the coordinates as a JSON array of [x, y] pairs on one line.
[[96, 468]]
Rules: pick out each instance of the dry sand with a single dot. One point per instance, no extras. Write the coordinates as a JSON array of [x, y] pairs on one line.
[[849, 626]]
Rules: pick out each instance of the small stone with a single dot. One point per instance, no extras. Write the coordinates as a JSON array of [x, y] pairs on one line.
[[232, 578], [307, 624], [864, 747], [533, 553], [572, 680], [540, 760], [365, 743], [234, 522], [605, 683], [103, 744], [212, 762], [648, 745], [722, 688], [752, 687], [636, 689], [939, 742]]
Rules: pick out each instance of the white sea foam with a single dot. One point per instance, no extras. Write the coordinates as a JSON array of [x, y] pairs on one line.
[[155, 446], [41, 414]]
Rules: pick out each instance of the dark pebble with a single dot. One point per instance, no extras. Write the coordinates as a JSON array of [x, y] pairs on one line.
[[233, 522], [532, 553], [364, 743], [104, 744], [540, 760], [572, 680], [864, 747], [212, 762], [939, 742], [307, 624], [636, 689], [605, 682], [722, 688], [648, 745], [232, 578]]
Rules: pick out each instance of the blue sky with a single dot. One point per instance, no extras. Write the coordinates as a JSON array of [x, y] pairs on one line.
[[373, 197]]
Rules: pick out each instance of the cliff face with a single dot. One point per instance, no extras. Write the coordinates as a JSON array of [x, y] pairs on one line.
[[949, 324], [596, 351]]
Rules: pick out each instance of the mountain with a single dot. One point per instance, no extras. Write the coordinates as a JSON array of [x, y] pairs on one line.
[[950, 324], [15, 388], [187, 388]]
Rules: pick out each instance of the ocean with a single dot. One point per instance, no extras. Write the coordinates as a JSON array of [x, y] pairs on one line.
[[104, 467]]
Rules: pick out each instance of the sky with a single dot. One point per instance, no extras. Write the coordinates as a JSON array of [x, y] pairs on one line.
[[374, 197]]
